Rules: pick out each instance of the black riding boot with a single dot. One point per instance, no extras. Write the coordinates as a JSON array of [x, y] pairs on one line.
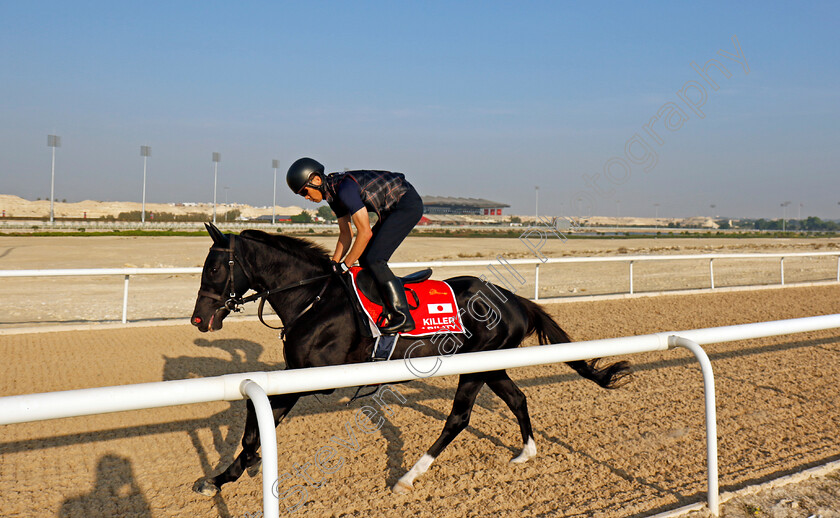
[[393, 300], [399, 316]]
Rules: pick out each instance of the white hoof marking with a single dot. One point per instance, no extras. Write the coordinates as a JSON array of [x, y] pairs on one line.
[[406, 482], [401, 487], [529, 451]]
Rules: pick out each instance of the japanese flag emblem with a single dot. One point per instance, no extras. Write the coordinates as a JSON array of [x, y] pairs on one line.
[[439, 308]]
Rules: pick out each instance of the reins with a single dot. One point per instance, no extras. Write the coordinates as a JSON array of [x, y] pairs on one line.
[[263, 295], [233, 303]]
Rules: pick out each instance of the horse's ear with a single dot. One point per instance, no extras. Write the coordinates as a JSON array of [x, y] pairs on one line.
[[216, 234]]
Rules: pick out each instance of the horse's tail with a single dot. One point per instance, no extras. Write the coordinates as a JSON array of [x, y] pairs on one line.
[[548, 331]]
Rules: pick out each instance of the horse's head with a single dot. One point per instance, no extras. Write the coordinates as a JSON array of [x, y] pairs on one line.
[[221, 279]]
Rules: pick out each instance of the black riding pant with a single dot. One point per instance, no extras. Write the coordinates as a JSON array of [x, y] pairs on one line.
[[391, 229]]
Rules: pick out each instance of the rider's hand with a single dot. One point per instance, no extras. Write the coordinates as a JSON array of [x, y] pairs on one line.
[[339, 267]]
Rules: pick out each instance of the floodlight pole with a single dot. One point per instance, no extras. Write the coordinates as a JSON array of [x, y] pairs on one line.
[[274, 164], [216, 159], [784, 214], [536, 204], [145, 152], [53, 141]]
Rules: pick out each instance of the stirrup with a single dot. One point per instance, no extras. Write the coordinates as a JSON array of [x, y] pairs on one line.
[[405, 326]]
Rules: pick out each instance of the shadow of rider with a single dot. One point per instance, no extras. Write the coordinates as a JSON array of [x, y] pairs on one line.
[[115, 493]]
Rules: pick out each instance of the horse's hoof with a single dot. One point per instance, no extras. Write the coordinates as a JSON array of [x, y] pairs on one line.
[[204, 487], [402, 488], [521, 459], [254, 469], [529, 451]]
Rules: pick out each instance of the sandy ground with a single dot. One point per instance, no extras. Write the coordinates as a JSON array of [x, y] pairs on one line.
[[14, 206], [37, 301], [631, 452]]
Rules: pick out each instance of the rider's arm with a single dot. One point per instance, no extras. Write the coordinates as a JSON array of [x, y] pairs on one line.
[[349, 197], [345, 236], [363, 235]]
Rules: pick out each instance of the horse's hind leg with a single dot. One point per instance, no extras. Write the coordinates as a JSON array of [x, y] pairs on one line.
[[504, 387], [468, 387], [280, 406]]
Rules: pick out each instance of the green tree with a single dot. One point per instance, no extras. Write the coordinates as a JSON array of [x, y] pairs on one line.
[[326, 213], [303, 217], [232, 214], [763, 224]]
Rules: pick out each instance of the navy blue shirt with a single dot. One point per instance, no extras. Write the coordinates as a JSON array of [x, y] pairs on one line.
[[349, 199]]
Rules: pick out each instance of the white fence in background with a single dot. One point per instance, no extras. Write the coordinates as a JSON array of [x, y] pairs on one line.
[[257, 385], [629, 259]]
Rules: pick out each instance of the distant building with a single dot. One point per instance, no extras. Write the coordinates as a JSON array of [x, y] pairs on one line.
[[466, 206], [278, 218]]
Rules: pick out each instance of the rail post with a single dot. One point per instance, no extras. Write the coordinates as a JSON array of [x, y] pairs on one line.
[[125, 300], [712, 273], [838, 268], [631, 277], [782, 269], [537, 282], [268, 445], [713, 497]]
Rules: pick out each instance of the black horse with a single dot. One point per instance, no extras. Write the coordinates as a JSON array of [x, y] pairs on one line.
[[326, 333]]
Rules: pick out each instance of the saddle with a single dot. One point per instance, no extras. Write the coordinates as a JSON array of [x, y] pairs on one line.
[[435, 309]]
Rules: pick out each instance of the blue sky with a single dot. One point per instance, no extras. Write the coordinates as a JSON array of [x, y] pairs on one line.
[[474, 99]]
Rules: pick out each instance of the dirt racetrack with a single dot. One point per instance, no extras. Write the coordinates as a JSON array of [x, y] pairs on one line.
[[630, 452], [31, 301]]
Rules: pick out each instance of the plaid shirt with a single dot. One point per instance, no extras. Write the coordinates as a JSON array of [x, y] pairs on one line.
[[381, 190]]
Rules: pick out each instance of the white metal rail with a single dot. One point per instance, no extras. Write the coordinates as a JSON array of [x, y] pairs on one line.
[[71, 403], [631, 259], [94, 272]]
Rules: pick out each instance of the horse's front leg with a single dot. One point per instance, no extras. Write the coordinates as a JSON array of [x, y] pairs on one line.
[[468, 387], [280, 406]]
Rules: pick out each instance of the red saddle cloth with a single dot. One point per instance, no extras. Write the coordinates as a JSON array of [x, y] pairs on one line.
[[437, 311]]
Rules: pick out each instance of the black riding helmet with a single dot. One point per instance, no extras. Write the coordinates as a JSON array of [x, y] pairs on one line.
[[301, 171]]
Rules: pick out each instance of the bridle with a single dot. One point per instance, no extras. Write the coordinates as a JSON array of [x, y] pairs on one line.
[[230, 285], [233, 303]]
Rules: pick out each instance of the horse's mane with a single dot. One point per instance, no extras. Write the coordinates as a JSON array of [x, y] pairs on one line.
[[301, 249]]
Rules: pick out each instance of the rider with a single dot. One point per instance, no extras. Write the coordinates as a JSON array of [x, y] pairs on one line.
[[352, 195]]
